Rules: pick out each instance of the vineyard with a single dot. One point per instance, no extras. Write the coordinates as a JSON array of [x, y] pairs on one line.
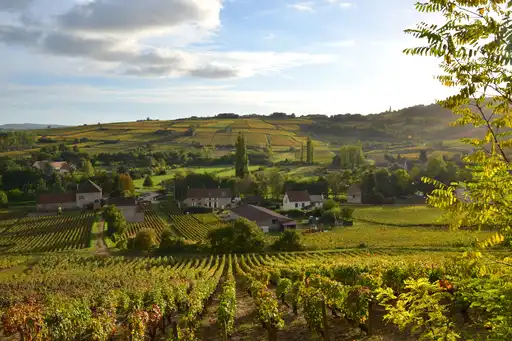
[[46, 234], [193, 227], [329, 296], [151, 221]]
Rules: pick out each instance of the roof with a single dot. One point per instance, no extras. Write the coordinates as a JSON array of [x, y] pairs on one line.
[[56, 198], [298, 196], [317, 198], [88, 187], [354, 188], [258, 213], [199, 193], [60, 165], [122, 201], [253, 199]]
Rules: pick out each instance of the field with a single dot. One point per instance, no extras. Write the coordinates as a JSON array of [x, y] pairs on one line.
[[45, 234], [299, 296], [419, 215]]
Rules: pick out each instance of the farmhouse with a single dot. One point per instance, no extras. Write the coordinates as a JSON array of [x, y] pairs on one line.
[[208, 197], [132, 212], [354, 194], [59, 167], [266, 219], [87, 193], [296, 200], [317, 201]]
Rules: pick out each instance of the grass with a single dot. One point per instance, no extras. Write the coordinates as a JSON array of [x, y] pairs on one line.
[[419, 215], [390, 236]]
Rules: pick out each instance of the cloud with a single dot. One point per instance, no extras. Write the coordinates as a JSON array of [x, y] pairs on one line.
[[302, 6], [342, 4], [134, 59], [269, 36], [14, 5], [136, 16]]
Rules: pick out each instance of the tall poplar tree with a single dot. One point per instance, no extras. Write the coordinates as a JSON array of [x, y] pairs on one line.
[[310, 157], [241, 158]]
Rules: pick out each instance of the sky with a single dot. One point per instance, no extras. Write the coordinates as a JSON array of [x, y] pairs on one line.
[[87, 61]]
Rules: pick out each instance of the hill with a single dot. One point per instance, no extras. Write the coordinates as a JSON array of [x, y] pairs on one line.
[[401, 131], [28, 126]]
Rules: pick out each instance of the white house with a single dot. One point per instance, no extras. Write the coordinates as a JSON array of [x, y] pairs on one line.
[[208, 197], [296, 200], [354, 194], [317, 201], [87, 193]]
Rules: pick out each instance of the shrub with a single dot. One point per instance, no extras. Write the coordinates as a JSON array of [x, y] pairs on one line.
[[329, 204], [290, 240], [145, 240], [295, 214], [243, 237], [148, 181], [3, 199], [116, 223], [346, 213], [172, 244]]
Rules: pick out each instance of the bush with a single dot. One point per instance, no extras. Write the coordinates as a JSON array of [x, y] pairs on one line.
[[295, 214], [148, 181], [243, 237], [3, 199], [116, 223], [346, 213], [171, 244], [290, 240], [327, 218], [145, 240], [329, 204]]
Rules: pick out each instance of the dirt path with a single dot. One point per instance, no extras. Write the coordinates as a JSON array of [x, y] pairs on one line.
[[100, 246]]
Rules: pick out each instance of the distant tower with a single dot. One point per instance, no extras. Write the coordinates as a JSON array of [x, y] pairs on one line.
[[389, 109]]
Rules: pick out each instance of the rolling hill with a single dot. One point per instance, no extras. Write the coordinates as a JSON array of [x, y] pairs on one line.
[[399, 131]]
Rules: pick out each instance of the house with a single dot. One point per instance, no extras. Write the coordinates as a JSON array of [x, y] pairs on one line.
[[354, 194], [266, 219], [296, 200], [132, 212], [87, 193], [317, 201], [208, 197], [52, 202], [59, 167]]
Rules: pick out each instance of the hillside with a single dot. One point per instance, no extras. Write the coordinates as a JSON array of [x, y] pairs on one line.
[[28, 126], [400, 131]]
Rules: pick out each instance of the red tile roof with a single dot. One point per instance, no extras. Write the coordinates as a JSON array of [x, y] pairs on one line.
[[298, 196]]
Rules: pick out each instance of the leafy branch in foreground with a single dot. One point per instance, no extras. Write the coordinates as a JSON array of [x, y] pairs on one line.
[[474, 45]]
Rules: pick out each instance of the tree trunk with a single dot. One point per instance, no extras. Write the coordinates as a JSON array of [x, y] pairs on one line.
[[272, 334], [324, 321]]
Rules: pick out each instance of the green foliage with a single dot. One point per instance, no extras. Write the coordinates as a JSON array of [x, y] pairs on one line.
[[350, 157], [310, 152], [115, 220], [172, 244], [145, 240], [3, 199], [423, 307], [148, 181], [473, 45], [243, 237], [290, 240], [329, 204], [242, 160], [87, 168]]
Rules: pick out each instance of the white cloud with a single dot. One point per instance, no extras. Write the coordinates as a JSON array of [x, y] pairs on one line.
[[342, 4], [302, 6], [125, 37], [269, 36]]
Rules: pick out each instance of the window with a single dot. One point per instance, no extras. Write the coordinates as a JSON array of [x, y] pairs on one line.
[[81, 197], [275, 221], [354, 196], [296, 205]]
